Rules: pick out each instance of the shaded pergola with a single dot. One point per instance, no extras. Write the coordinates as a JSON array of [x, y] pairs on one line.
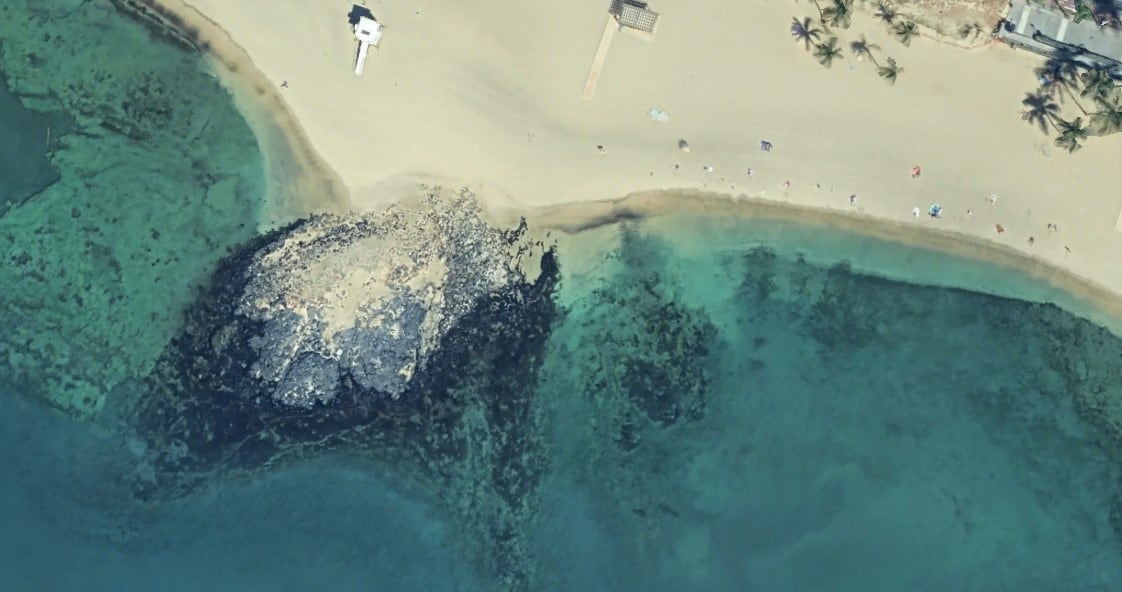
[[630, 16]]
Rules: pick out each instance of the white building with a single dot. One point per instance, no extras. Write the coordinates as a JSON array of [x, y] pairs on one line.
[[368, 31]]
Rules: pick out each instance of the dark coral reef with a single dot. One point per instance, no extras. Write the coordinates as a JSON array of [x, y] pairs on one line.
[[410, 339], [644, 354]]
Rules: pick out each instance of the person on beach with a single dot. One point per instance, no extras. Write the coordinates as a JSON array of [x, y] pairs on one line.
[[749, 173], [916, 171], [853, 199], [765, 145]]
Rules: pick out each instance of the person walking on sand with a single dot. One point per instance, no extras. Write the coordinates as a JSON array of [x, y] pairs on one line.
[[916, 171]]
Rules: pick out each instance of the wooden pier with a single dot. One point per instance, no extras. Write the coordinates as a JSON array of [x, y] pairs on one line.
[[610, 29]]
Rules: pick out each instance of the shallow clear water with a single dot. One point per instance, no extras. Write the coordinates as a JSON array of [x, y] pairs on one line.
[[856, 433], [722, 406], [158, 176]]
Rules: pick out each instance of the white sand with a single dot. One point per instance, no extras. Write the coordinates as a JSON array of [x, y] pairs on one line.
[[487, 94]]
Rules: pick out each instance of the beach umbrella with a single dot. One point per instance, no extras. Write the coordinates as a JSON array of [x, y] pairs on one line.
[[658, 115]]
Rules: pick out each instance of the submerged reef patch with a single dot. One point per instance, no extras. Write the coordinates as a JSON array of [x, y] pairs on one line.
[[643, 351], [410, 337]]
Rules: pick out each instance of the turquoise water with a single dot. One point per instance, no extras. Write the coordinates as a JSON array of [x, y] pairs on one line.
[[832, 430], [157, 175], [722, 405]]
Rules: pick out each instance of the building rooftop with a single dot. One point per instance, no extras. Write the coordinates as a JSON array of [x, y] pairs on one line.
[[634, 15], [1050, 32]]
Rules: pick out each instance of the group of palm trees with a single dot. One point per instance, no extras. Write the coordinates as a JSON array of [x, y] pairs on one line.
[[838, 15], [1063, 75]]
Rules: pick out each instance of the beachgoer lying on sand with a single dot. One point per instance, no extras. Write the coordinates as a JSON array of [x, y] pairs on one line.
[[916, 171]]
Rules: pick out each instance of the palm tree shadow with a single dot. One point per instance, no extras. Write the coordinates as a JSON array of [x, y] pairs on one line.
[[1041, 109]]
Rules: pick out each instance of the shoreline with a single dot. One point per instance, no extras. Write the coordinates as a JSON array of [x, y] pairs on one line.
[[1087, 298], [299, 182], [568, 179]]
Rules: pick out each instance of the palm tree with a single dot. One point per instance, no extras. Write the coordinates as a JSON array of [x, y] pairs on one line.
[[819, 7], [1083, 12], [890, 71], [1072, 134], [861, 47], [805, 32], [838, 14], [1097, 84], [1108, 119], [827, 52], [905, 31], [886, 13], [1042, 110]]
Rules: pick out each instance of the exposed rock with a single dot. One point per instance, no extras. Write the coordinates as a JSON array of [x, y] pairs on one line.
[[411, 338], [368, 298]]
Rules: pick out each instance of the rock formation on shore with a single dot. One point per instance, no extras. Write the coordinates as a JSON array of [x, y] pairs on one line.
[[410, 338]]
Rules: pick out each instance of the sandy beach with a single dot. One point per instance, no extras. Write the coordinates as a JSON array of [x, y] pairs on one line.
[[487, 95]]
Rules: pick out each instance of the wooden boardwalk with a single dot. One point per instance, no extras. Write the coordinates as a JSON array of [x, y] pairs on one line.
[[610, 29]]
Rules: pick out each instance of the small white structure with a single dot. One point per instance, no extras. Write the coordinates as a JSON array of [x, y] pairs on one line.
[[368, 31]]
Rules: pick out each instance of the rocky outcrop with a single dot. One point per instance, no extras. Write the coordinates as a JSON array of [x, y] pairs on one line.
[[367, 299], [411, 338]]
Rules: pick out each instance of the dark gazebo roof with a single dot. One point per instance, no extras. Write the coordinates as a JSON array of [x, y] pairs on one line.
[[634, 15]]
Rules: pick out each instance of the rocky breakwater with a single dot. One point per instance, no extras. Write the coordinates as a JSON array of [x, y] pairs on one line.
[[409, 338]]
